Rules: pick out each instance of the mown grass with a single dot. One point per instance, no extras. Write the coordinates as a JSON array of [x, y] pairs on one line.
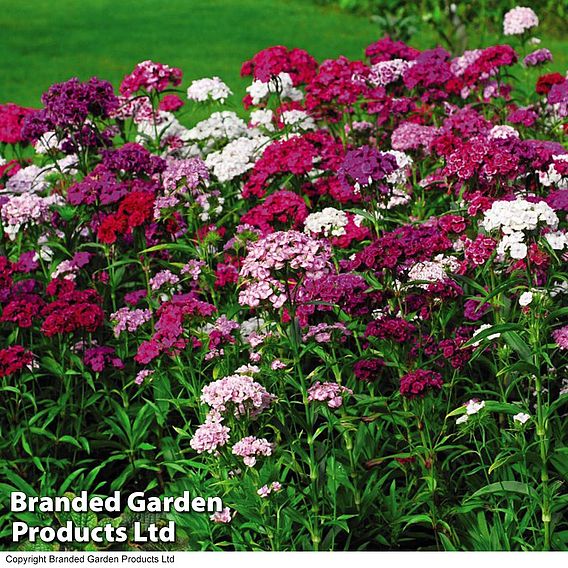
[[46, 41]]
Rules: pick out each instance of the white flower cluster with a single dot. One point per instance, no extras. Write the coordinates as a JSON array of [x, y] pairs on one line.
[[328, 222], [298, 120], [225, 125], [400, 175], [211, 205], [262, 118], [552, 176], [513, 219], [432, 270], [26, 209], [281, 84], [28, 180], [48, 142], [212, 88], [518, 20], [471, 408], [557, 240], [236, 158]]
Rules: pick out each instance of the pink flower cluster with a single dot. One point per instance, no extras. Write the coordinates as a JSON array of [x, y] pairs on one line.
[[272, 263], [210, 436], [238, 394], [250, 447], [330, 393], [129, 320], [150, 76]]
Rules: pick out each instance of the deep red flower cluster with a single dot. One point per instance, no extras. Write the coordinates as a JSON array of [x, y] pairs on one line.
[[72, 310], [489, 62], [12, 119], [386, 49], [282, 209], [392, 328], [337, 86], [419, 382], [368, 369], [299, 64], [13, 359], [134, 210], [399, 249], [293, 156]]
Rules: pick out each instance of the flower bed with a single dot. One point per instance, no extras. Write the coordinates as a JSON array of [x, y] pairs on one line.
[[344, 315]]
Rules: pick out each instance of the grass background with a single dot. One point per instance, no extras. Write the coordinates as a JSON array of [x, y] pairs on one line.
[[47, 41]]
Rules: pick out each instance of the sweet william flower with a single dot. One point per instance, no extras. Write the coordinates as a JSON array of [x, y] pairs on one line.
[[560, 336], [519, 20], [525, 299], [521, 417], [223, 517]]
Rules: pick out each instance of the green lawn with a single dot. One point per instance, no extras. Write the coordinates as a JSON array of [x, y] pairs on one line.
[[45, 41]]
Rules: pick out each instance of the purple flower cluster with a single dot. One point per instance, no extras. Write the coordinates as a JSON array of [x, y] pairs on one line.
[[69, 104], [365, 166], [538, 57]]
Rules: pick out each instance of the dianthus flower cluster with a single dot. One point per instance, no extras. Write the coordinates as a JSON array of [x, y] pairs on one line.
[[250, 447], [224, 125], [237, 394], [419, 382], [210, 436], [72, 311], [537, 57], [99, 358], [13, 359], [412, 136], [366, 166], [212, 89], [129, 320], [236, 158], [12, 119], [329, 222], [69, 104], [281, 84], [297, 155], [280, 256], [333, 90], [297, 63], [150, 77], [169, 329], [134, 210], [514, 219], [387, 49], [330, 393], [282, 208], [133, 160], [23, 211], [560, 336], [325, 332], [519, 20], [368, 369]]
